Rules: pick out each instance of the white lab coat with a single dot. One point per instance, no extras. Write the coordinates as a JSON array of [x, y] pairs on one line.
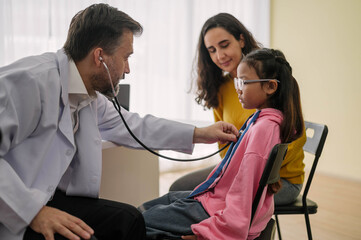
[[38, 144]]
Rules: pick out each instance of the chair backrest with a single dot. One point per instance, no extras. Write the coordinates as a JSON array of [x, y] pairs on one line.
[[271, 172], [314, 145]]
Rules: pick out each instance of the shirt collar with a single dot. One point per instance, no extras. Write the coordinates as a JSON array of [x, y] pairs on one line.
[[78, 95], [76, 84]]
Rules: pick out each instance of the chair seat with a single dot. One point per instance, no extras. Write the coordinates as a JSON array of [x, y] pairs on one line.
[[296, 207]]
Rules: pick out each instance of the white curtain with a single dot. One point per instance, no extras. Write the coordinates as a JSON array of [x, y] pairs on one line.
[[161, 66]]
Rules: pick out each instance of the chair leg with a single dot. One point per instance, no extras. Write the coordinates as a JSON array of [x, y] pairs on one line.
[[308, 225], [278, 227]]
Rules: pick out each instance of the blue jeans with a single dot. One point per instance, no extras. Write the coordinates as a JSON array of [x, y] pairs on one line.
[[172, 215], [288, 192]]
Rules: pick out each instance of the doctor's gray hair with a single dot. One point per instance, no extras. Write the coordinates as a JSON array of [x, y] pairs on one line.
[[99, 25]]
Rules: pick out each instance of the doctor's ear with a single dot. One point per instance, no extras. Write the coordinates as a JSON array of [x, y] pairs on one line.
[[97, 56]]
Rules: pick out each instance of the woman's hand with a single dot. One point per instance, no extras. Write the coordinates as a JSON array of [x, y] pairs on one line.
[[51, 220]]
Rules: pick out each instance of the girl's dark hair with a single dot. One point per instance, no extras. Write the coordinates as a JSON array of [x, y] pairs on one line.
[[272, 64], [99, 25], [209, 76]]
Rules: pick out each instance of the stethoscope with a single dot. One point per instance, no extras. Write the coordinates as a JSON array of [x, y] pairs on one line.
[[118, 109]]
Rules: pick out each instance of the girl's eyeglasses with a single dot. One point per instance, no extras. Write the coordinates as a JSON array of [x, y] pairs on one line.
[[239, 82]]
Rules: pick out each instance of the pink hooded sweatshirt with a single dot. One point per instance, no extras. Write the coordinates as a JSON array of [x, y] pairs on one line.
[[229, 203]]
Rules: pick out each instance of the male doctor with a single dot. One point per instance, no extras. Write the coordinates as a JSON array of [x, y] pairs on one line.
[[53, 117]]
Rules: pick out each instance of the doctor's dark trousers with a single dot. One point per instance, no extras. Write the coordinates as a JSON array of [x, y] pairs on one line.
[[110, 220]]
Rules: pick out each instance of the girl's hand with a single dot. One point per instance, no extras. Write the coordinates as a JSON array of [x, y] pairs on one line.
[[190, 237]]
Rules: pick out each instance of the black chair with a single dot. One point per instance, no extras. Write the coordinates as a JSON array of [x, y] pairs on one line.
[[271, 174], [314, 145]]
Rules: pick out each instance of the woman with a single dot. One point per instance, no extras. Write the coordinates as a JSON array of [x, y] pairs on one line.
[[223, 42]]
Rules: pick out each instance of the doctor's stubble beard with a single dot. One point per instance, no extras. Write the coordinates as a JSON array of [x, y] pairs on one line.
[[101, 83]]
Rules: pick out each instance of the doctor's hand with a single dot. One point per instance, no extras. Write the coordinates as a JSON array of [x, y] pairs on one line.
[[51, 220], [219, 132]]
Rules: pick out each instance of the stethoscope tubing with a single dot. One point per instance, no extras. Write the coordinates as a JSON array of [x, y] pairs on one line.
[[117, 107]]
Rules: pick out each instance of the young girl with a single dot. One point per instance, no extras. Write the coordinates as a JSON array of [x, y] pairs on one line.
[[222, 210], [223, 41]]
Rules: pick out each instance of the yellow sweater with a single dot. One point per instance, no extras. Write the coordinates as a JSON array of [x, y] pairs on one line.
[[230, 110]]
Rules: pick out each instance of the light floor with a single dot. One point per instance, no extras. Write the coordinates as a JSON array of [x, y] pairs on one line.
[[339, 209]]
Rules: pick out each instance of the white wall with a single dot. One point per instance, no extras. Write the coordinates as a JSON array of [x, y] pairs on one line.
[[321, 39]]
